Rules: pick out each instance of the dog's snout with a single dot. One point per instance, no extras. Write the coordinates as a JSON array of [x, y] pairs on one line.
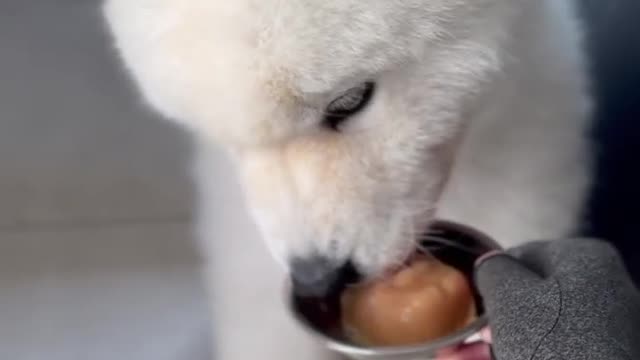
[[318, 276]]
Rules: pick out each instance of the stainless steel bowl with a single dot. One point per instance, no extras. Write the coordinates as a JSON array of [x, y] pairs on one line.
[[455, 244]]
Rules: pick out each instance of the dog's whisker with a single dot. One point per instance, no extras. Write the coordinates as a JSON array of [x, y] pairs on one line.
[[431, 240]]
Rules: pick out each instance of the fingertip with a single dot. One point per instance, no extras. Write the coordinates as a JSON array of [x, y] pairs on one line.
[[475, 351], [497, 269], [485, 335], [488, 256]]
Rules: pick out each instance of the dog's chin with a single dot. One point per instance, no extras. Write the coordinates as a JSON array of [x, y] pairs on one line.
[[411, 253]]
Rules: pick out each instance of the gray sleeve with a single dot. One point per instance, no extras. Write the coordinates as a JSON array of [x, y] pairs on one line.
[[566, 299]]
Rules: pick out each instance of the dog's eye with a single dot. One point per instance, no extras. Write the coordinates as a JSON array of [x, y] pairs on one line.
[[348, 104]]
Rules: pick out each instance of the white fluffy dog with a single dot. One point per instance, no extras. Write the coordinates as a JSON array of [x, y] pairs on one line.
[[352, 124]]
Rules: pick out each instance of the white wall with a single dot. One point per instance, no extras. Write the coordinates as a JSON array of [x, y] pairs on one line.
[[96, 259]]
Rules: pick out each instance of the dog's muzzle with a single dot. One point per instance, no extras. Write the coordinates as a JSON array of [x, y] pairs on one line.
[[318, 276]]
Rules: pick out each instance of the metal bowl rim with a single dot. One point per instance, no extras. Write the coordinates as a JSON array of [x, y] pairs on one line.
[[457, 338]]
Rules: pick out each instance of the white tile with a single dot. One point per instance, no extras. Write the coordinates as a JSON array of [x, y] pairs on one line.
[[129, 293]]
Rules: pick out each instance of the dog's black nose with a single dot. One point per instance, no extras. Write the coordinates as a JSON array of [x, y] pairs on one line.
[[319, 276]]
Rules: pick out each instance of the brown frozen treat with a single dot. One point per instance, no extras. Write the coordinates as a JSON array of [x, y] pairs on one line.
[[423, 302]]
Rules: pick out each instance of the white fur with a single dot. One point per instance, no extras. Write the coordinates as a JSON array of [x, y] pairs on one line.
[[480, 116]]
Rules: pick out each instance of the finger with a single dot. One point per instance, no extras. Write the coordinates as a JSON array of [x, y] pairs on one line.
[[486, 336], [500, 272], [552, 257], [536, 256], [592, 254], [475, 351]]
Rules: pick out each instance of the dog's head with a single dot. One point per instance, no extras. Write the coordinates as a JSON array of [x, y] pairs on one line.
[[343, 116]]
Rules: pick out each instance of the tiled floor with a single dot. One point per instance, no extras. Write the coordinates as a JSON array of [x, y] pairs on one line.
[[96, 253]]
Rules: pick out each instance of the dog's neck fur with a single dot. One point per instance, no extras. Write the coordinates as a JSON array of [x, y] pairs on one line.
[[535, 110]]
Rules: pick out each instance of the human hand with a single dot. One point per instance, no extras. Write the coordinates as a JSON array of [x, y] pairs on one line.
[[479, 350], [566, 299]]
